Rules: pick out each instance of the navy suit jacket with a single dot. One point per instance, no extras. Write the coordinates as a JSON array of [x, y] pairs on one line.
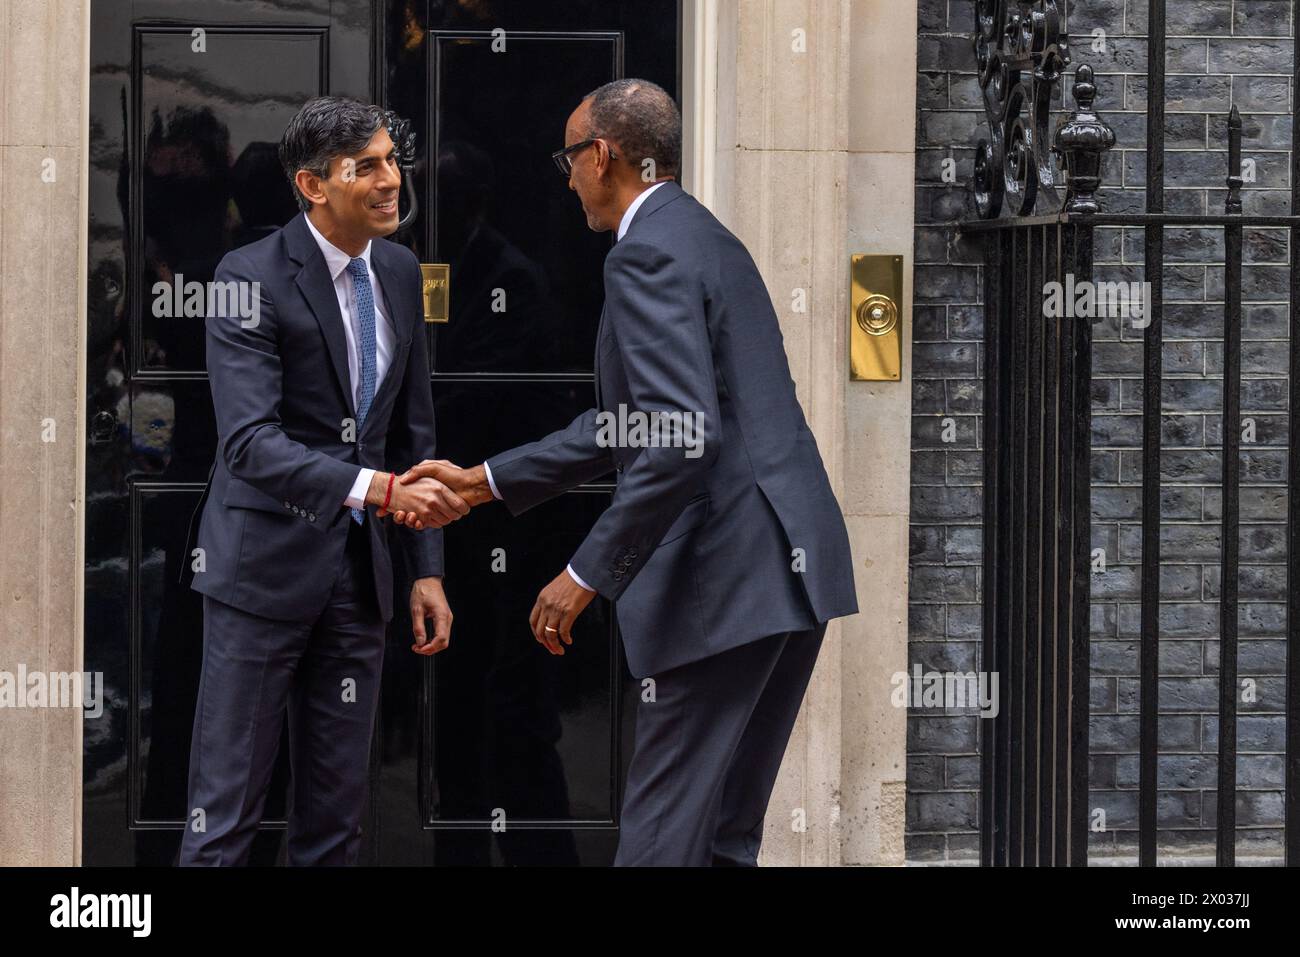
[[274, 525], [709, 552]]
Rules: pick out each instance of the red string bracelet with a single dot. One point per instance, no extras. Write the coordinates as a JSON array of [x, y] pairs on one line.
[[389, 494]]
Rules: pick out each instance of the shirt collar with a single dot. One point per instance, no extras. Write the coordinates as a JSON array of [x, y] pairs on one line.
[[336, 260], [631, 210]]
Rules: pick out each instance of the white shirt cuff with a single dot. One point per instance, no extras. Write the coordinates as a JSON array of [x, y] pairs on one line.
[[574, 576], [357, 498], [495, 494]]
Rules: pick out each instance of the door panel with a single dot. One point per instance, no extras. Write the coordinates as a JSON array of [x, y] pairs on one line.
[[201, 156], [527, 269]]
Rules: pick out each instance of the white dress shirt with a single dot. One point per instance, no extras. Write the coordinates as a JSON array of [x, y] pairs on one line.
[[623, 224], [626, 221], [336, 261]]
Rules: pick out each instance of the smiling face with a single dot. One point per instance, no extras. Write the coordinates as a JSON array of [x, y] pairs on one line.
[[357, 201]]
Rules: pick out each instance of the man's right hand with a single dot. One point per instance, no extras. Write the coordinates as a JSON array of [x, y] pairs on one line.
[[469, 485], [421, 503]]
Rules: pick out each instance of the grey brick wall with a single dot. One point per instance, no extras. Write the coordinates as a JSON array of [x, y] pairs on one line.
[[1220, 53]]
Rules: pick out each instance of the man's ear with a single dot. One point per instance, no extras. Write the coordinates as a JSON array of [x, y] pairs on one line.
[[310, 185], [604, 165]]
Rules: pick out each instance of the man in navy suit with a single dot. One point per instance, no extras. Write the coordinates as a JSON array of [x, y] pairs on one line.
[[318, 395], [723, 546]]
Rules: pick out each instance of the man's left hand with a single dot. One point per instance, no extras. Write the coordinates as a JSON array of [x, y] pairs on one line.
[[428, 601], [556, 609]]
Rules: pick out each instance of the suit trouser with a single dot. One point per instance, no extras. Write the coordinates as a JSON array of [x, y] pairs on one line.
[[325, 676], [708, 750]]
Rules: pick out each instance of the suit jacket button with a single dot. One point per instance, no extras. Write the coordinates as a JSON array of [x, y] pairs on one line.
[[297, 510], [288, 505], [311, 516], [632, 552]]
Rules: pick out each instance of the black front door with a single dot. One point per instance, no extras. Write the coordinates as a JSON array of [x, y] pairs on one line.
[[493, 751]]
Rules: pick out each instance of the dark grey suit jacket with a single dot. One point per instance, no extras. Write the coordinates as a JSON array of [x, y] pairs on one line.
[[701, 553], [274, 525]]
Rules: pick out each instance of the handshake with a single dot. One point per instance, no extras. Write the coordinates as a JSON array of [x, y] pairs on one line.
[[429, 495]]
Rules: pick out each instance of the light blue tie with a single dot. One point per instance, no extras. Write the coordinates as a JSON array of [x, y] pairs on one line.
[[364, 302]]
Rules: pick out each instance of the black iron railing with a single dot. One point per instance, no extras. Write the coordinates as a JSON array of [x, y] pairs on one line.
[[1037, 445]]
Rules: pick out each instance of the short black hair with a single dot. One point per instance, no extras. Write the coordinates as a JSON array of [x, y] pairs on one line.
[[326, 127], [643, 119]]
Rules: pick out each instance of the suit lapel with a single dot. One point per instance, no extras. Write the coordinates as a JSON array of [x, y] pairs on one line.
[[394, 291], [318, 289]]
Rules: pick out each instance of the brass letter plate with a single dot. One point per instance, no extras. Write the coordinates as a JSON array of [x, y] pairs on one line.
[[437, 291], [875, 318]]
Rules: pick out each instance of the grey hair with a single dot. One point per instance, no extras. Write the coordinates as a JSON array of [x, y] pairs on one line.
[[325, 128], [642, 118]]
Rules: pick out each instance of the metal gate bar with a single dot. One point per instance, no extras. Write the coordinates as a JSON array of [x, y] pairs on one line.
[[1291, 833], [1153, 260]]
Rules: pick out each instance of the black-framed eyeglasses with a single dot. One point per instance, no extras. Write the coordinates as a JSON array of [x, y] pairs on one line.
[[564, 158]]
